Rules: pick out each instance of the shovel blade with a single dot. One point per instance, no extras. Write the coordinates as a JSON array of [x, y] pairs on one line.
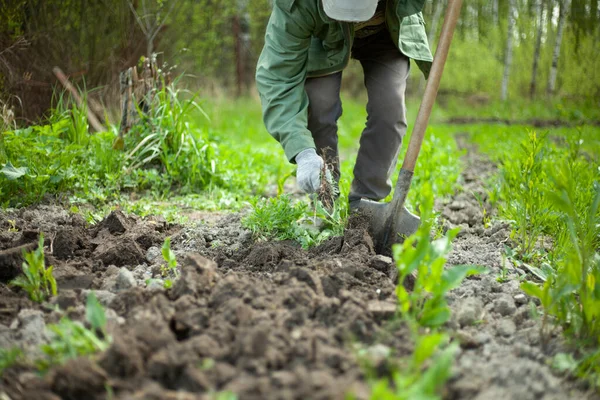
[[402, 224]]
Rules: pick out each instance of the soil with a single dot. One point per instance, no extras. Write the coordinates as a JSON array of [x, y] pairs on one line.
[[265, 320]]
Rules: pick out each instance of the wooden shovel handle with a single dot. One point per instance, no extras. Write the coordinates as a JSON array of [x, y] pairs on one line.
[[433, 84]]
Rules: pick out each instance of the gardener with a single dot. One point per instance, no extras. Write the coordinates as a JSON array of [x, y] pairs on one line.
[[299, 73]]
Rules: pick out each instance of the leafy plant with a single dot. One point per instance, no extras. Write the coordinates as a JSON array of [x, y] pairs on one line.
[[426, 304], [37, 280], [281, 219], [72, 339], [171, 261], [526, 204], [164, 138], [9, 357], [571, 293], [422, 375]]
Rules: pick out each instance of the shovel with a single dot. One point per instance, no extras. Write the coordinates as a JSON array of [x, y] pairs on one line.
[[392, 222]]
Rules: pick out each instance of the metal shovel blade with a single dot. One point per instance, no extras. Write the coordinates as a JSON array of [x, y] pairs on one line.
[[403, 224], [391, 222]]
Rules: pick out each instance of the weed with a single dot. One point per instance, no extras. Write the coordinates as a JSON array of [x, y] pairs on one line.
[[486, 220], [526, 204], [171, 266], [275, 217], [570, 294], [425, 309], [37, 280], [163, 138], [13, 225], [426, 305], [9, 357], [72, 339], [281, 219], [72, 119], [224, 395], [423, 375]]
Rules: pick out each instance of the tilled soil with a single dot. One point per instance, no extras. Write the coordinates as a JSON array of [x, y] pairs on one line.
[[265, 320]]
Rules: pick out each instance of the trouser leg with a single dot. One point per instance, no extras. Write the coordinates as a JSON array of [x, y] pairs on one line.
[[324, 110], [385, 72]]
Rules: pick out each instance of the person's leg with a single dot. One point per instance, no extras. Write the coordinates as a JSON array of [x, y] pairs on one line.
[[324, 110], [386, 70]]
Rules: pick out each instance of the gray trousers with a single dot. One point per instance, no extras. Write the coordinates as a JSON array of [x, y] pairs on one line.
[[385, 72]]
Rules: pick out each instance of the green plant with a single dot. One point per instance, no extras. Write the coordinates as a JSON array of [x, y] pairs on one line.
[[426, 305], [525, 202], [72, 339], [164, 138], [422, 375], [571, 293], [171, 261], [486, 220], [424, 310], [37, 280], [9, 357], [13, 225], [281, 219]]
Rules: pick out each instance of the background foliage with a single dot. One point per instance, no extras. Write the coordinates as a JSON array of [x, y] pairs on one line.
[[217, 45]]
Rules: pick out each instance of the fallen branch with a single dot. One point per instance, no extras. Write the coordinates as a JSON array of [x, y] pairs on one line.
[[98, 127]]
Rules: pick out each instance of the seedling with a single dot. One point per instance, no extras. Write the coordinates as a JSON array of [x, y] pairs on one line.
[[13, 225], [72, 339], [426, 305], [37, 280], [9, 357], [419, 376], [171, 267], [486, 220]]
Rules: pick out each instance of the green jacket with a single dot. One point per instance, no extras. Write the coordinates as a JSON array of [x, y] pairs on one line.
[[302, 41]]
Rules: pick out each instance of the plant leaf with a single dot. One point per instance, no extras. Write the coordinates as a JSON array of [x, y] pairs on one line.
[[94, 313], [12, 173]]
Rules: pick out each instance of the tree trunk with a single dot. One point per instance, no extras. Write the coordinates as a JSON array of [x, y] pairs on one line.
[[562, 18], [435, 19], [539, 10], [495, 12], [509, 49]]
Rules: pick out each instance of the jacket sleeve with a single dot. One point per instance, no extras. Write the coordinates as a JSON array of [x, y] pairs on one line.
[[280, 76], [410, 7]]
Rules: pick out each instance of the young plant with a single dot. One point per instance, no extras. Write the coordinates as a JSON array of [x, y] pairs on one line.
[[275, 218], [37, 280], [9, 357], [570, 295], [422, 375], [524, 180], [426, 305], [72, 339], [171, 261], [280, 218]]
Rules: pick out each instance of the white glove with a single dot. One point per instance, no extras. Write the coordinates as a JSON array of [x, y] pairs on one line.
[[308, 174]]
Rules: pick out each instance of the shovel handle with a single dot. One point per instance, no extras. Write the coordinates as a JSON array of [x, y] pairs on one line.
[[433, 84]]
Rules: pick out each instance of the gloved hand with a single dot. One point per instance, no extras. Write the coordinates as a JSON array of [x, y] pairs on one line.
[[308, 174]]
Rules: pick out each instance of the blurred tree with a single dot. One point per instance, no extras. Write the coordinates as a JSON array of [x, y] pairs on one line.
[[564, 9], [539, 13], [508, 53]]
